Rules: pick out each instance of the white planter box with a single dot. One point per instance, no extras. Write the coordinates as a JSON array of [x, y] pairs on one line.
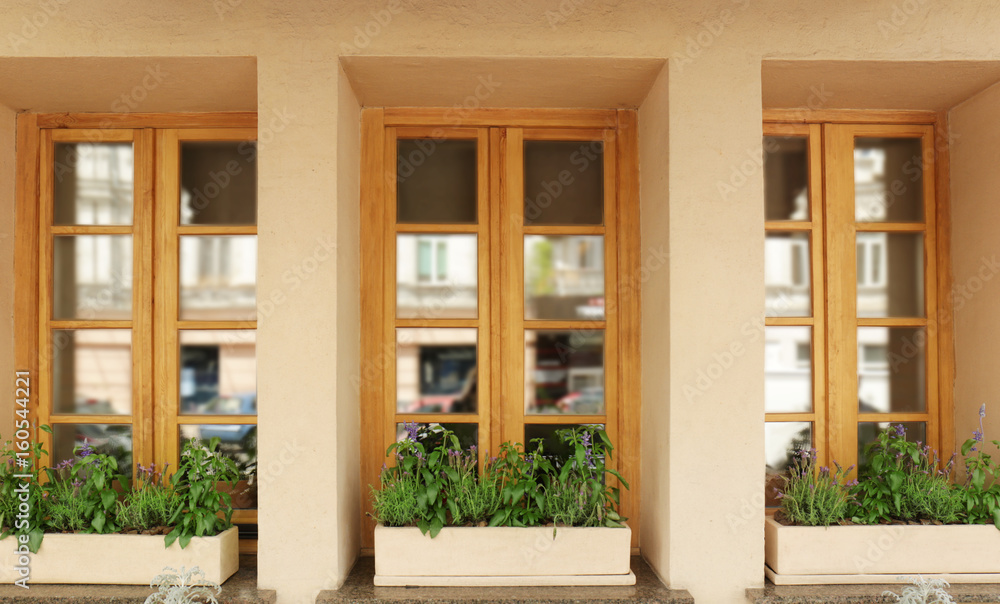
[[119, 559], [503, 556], [806, 555]]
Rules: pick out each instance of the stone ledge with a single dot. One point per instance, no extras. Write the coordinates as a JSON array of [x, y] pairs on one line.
[[860, 594], [241, 588], [359, 589]]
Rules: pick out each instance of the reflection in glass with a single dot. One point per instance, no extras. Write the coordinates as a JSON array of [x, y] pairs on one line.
[[868, 432], [92, 371], [782, 440], [431, 434], [552, 446], [93, 183], [788, 369], [218, 372], [219, 182], [218, 276], [436, 181], [892, 369], [786, 178], [564, 372], [888, 180], [436, 370], [563, 182], [787, 283], [890, 271], [92, 277], [108, 439], [239, 443], [564, 277], [436, 276]]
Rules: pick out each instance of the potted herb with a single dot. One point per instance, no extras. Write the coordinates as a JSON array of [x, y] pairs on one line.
[[526, 519], [85, 530], [902, 516]]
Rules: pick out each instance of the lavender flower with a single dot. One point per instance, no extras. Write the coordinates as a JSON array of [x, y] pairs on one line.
[[900, 430], [411, 430], [85, 450], [64, 465]]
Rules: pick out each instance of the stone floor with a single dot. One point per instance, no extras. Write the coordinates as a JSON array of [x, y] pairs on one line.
[[241, 588], [859, 594], [359, 589]]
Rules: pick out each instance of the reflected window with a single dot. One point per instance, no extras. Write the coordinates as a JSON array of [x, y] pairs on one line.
[[564, 277], [436, 370], [564, 372], [93, 183], [218, 277], [218, 373], [437, 276]]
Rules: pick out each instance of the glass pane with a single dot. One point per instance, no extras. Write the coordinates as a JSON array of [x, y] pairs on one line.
[[436, 181], [788, 369], [892, 369], [219, 182], [93, 183], [888, 180], [239, 443], [92, 371], [786, 178], [890, 274], [564, 372], [781, 441], [869, 431], [563, 182], [429, 434], [92, 277], [787, 283], [218, 372], [437, 276], [552, 445], [564, 277], [436, 370], [218, 277], [109, 439]]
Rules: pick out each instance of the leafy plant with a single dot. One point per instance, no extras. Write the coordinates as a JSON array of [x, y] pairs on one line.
[[579, 494], [814, 498], [183, 587], [476, 497], [523, 479], [83, 493], [199, 508], [149, 503], [19, 478], [923, 591], [395, 503], [981, 492]]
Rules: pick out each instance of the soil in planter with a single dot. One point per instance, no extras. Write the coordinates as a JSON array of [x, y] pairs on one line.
[[158, 530], [781, 518]]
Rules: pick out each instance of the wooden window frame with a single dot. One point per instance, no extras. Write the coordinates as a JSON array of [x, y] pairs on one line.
[[499, 133], [154, 249], [835, 414]]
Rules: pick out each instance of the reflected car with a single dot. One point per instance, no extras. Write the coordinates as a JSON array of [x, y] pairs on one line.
[[589, 401]]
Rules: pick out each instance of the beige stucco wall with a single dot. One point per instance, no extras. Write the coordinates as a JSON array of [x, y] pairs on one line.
[[703, 470], [7, 169], [975, 155]]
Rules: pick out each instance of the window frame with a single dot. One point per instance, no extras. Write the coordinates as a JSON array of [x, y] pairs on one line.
[[831, 135], [36, 133], [499, 169]]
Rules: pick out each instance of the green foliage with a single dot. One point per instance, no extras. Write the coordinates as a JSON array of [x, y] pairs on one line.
[[981, 493], [20, 486], [814, 498], [82, 493], [435, 487], [149, 503], [199, 508]]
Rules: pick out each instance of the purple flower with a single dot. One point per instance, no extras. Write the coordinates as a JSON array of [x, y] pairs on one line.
[[977, 435], [472, 449], [85, 450], [77, 483], [64, 464], [852, 483], [900, 430], [585, 439], [411, 430]]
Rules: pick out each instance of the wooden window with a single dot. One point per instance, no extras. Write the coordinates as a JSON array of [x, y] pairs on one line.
[[499, 259], [859, 200], [139, 276]]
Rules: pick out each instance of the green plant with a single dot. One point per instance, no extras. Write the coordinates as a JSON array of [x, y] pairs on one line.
[[395, 503], [981, 493], [523, 478], [811, 497], [20, 488], [579, 495], [150, 501], [82, 492], [199, 508], [476, 497]]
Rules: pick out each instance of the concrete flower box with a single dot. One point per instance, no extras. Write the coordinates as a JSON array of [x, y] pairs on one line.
[[119, 559], [474, 556], [810, 555]]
